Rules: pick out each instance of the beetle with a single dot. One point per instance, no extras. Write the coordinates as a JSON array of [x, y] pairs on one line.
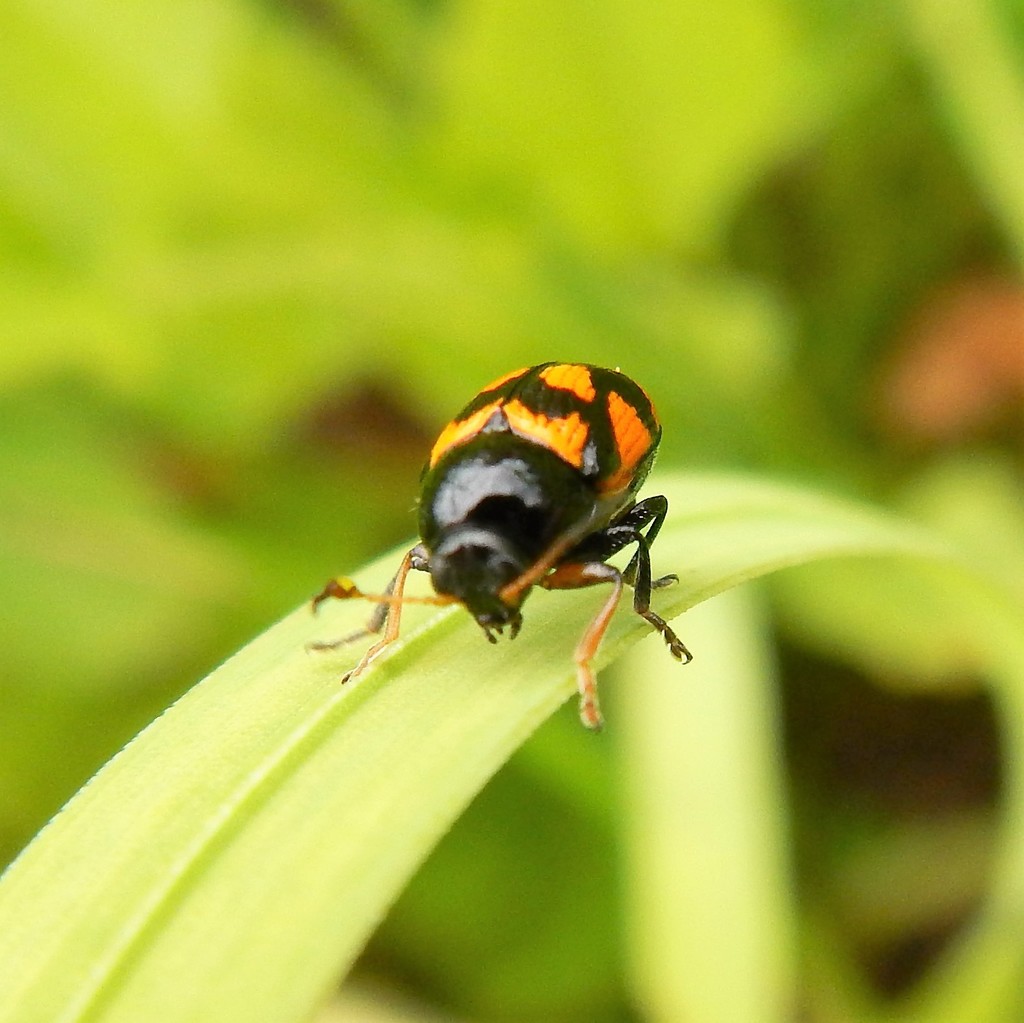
[[533, 483]]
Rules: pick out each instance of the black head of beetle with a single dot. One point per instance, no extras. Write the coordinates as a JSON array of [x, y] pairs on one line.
[[487, 515]]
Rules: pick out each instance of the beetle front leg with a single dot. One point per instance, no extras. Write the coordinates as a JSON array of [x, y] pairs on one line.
[[387, 615], [567, 577]]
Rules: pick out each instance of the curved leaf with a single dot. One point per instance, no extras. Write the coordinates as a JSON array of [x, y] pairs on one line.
[[232, 860]]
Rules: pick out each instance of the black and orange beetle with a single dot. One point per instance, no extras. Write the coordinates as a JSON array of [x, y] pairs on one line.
[[534, 483]]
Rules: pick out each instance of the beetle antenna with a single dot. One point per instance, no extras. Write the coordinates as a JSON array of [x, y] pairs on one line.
[[344, 588]]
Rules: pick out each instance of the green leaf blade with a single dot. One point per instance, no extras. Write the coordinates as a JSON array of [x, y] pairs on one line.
[[232, 861]]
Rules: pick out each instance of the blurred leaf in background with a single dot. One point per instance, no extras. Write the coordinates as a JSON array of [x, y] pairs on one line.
[[254, 253]]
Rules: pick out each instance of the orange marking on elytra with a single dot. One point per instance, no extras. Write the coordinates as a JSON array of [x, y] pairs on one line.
[[568, 377], [566, 436], [632, 441], [458, 431], [495, 384]]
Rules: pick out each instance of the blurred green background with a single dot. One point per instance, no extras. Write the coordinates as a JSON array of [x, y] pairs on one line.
[[253, 254]]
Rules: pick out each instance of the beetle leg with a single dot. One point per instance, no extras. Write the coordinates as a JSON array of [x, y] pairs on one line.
[[567, 577], [387, 615], [574, 574], [651, 510], [623, 531]]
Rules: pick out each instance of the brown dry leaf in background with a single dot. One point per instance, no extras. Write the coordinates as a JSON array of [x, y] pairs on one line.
[[960, 366]]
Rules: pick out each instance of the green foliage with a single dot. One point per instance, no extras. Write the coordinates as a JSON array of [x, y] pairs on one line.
[[252, 255], [251, 837]]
